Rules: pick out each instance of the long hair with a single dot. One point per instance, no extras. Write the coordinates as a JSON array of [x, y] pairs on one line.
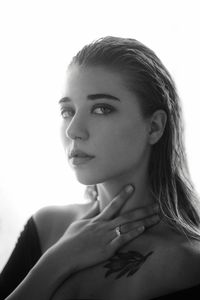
[[145, 75]]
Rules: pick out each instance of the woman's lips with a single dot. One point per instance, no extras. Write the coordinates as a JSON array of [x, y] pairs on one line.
[[78, 153], [77, 160]]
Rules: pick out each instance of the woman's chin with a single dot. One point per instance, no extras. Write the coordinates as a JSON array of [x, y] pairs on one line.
[[89, 178], [85, 179]]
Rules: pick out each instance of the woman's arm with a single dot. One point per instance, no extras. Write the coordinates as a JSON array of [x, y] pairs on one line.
[[86, 242], [44, 277]]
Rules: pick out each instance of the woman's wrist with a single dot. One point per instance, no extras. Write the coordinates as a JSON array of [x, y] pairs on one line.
[[45, 276], [43, 279], [59, 261]]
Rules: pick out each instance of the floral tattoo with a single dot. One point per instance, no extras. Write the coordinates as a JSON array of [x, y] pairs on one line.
[[125, 263]]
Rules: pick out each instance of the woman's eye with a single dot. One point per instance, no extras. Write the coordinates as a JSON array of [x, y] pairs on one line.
[[102, 109], [99, 109], [67, 113]]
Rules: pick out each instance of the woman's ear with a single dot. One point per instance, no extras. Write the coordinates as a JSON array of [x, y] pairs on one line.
[[157, 126]]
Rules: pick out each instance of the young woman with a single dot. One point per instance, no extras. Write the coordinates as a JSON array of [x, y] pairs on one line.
[[121, 124]]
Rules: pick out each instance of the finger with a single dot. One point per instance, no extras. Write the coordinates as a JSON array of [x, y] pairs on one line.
[[125, 228], [117, 203], [135, 215], [123, 239], [93, 211], [147, 222]]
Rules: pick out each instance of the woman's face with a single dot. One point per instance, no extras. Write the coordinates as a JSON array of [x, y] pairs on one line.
[[112, 130]]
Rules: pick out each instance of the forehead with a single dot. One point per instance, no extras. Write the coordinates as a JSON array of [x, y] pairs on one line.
[[93, 79], [83, 81]]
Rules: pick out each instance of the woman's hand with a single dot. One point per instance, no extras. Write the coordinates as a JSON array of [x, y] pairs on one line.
[[93, 238]]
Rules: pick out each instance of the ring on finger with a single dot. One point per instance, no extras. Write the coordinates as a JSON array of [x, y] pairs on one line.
[[118, 230]]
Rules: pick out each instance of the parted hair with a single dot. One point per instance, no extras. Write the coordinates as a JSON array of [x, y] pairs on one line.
[[145, 75]]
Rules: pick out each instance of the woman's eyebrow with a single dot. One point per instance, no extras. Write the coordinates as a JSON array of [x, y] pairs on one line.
[[100, 96], [91, 97]]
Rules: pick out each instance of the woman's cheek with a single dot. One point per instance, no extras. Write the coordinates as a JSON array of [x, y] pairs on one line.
[[64, 139], [132, 141]]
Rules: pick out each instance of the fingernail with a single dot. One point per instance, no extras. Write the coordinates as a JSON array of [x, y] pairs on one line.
[[129, 188], [141, 228]]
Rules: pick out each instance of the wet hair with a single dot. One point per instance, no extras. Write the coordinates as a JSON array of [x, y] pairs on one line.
[[145, 75]]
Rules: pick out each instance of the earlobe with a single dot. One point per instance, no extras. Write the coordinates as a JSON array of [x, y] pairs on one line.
[[157, 126]]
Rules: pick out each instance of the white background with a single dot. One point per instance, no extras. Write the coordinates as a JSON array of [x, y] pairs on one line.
[[37, 40]]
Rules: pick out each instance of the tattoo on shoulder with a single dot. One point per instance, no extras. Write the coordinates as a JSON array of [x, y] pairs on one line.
[[126, 263]]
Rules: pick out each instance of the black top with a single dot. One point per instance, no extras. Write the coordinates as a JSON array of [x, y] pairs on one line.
[[28, 251]]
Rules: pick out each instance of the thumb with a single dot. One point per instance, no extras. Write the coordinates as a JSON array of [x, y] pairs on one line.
[[93, 211]]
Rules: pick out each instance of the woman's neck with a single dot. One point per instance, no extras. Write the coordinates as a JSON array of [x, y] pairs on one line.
[[111, 188]]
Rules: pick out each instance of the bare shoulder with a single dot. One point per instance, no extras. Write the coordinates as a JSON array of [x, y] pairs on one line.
[[52, 221], [174, 268], [179, 257]]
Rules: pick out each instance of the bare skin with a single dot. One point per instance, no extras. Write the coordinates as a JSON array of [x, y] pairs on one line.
[[103, 118], [76, 237], [167, 254]]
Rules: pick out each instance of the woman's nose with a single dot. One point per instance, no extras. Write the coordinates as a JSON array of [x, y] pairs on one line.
[[77, 128]]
